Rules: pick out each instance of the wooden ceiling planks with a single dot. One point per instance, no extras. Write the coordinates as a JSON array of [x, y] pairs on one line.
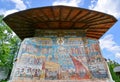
[[59, 17]]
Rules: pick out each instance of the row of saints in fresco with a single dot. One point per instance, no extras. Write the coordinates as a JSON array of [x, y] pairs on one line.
[[59, 58]]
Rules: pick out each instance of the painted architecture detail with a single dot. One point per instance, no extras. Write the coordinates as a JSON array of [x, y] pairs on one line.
[[60, 58]]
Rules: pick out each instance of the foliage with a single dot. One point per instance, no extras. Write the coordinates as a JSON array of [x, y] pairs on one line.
[[112, 65], [3, 81], [8, 46]]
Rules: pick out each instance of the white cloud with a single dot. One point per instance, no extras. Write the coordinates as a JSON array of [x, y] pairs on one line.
[[117, 55], [107, 6], [19, 5], [68, 2], [10, 12], [110, 45], [28, 3], [2, 11], [7, 12], [93, 2]]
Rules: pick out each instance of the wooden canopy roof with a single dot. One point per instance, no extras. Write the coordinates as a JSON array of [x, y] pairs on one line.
[[24, 23]]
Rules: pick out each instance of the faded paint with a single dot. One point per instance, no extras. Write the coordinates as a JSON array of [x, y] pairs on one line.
[[60, 58]]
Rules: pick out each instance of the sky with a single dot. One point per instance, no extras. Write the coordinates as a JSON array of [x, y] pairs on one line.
[[109, 42]]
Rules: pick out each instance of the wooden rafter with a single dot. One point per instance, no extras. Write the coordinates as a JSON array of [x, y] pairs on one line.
[[59, 17]]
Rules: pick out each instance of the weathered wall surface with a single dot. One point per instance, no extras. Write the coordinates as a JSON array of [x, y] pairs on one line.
[[59, 59]]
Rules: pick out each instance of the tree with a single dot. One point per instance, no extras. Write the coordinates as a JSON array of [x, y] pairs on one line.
[[112, 65], [9, 44]]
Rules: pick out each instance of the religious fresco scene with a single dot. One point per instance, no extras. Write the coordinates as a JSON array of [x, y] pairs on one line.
[[62, 58], [60, 44]]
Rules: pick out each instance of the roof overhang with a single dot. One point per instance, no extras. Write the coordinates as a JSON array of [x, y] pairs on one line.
[[26, 22]]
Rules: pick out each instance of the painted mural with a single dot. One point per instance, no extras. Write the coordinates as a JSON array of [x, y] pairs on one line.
[[59, 58]]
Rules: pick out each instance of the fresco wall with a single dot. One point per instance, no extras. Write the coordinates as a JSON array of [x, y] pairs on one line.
[[59, 58]]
